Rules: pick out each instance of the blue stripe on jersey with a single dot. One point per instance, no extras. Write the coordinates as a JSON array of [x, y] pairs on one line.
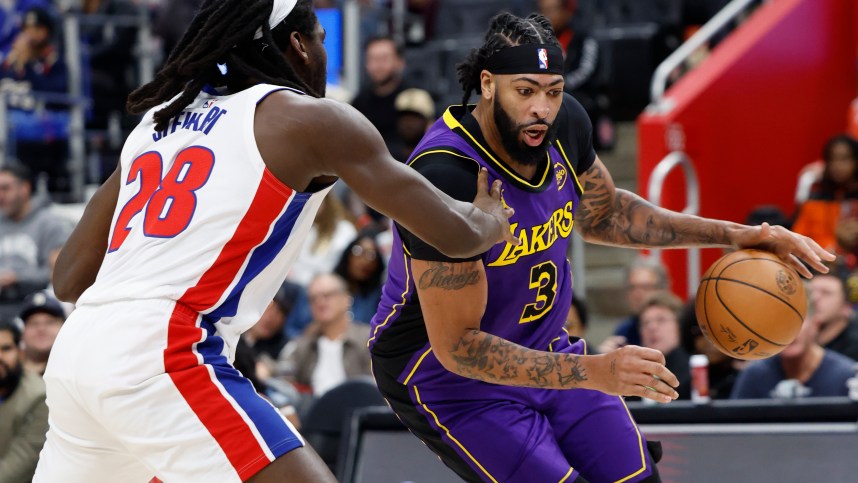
[[265, 417], [264, 254]]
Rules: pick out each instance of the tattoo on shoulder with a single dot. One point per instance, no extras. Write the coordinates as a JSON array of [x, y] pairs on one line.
[[450, 276]]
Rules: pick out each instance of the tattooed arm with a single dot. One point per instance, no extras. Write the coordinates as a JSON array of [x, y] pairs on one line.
[[453, 299], [613, 216]]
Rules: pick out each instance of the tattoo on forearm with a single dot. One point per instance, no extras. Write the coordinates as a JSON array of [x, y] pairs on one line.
[[482, 356], [619, 217], [613, 367], [450, 276]]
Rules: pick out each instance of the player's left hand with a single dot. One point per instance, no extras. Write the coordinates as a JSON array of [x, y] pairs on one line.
[[791, 247]]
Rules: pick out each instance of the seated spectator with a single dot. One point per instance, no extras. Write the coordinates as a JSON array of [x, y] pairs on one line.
[[324, 245], [836, 319], [723, 369], [385, 64], [267, 338], [333, 348], [29, 234], [576, 320], [803, 369], [43, 316], [830, 215], [12, 18], [659, 322], [363, 270], [415, 112], [32, 67], [644, 277], [23, 412]]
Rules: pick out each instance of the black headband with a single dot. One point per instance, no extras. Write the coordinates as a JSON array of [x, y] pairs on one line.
[[527, 59]]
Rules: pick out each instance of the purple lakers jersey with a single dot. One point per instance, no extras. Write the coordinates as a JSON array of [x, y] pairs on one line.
[[528, 285]]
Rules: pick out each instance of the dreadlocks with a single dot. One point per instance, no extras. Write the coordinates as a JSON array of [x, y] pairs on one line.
[[222, 33], [506, 30]]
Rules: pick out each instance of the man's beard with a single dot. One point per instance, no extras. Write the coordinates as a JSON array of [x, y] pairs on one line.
[[10, 380], [509, 133]]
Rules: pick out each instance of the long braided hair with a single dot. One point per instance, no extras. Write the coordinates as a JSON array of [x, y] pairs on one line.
[[506, 30], [222, 33]]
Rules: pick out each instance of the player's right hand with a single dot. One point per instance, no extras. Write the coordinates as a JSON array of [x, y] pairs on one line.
[[638, 371], [490, 201]]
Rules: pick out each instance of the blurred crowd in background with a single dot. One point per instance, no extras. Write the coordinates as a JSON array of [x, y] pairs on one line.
[[312, 336]]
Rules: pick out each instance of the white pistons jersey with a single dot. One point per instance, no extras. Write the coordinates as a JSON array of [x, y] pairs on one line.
[[200, 219]]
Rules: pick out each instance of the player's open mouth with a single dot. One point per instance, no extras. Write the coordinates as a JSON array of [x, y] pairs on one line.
[[534, 135]]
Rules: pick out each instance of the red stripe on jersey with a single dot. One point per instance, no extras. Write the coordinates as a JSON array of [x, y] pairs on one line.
[[193, 379]]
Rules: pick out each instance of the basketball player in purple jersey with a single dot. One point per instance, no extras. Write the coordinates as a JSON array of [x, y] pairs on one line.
[[185, 244], [471, 352]]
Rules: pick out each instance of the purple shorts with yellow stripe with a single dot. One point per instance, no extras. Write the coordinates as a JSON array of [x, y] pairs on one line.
[[492, 433]]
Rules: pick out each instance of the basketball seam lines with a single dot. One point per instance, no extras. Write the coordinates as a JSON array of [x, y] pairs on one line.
[[740, 320], [761, 290]]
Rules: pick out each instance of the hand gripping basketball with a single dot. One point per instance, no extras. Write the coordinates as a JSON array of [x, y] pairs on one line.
[[790, 247]]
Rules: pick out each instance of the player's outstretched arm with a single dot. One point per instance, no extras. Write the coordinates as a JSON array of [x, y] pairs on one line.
[[614, 216], [81, 256], [338, 141], [453, 299]]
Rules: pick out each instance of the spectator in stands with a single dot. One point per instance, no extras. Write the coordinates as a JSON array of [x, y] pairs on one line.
[[12, 18], [43, 316], [330, 235], [659, 325], [385, 64], [111, 57], [362, 268], [333, 348], [803, 369], [267, 338], [644, 277], [415, 112], [33, 69], [723, 369], [582, 58], [577, 319], [23, 412], [836, 320], [29, 234], [830, 215]]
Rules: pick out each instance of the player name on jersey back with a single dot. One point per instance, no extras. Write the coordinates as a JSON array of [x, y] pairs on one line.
[[193, 121]]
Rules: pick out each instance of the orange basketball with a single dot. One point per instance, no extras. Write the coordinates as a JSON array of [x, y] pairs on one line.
[[750, 304]]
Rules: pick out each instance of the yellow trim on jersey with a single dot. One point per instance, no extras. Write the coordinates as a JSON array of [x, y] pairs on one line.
[[417, 365], [401, 304], [571, 168], [551, 349], [640, 444], [444, 151], [567, 475], [454, 123], [438, 423]]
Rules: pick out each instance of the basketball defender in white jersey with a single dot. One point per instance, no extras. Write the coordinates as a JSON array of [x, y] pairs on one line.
[[182, 248]]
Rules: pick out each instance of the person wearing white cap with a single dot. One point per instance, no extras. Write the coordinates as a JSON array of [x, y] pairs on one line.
[[187, 242]]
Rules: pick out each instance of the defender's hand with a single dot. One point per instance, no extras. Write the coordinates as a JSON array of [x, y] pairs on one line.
[[791, 247], [490, 202], [638, 371]]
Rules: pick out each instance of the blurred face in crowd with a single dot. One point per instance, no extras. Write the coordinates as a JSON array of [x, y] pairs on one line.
[[329, 300], [40, 332], [703, 346], [659, 329], [827, 300], [383, 65], [411, 127], [842, 164], [269, 324], [10, 361], [37, 36], [14, 196], [363, 259], [558, 12], [803, 342], [642, 283]]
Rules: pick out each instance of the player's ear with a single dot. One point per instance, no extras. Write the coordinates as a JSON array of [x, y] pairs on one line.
[[297, 42], [487, 85]]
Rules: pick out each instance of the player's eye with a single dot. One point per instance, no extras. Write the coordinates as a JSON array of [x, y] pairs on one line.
[[525, 91], [555, 92]]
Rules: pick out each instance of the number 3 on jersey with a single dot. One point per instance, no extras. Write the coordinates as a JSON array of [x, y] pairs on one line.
[[543, 278], [169, 202]]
